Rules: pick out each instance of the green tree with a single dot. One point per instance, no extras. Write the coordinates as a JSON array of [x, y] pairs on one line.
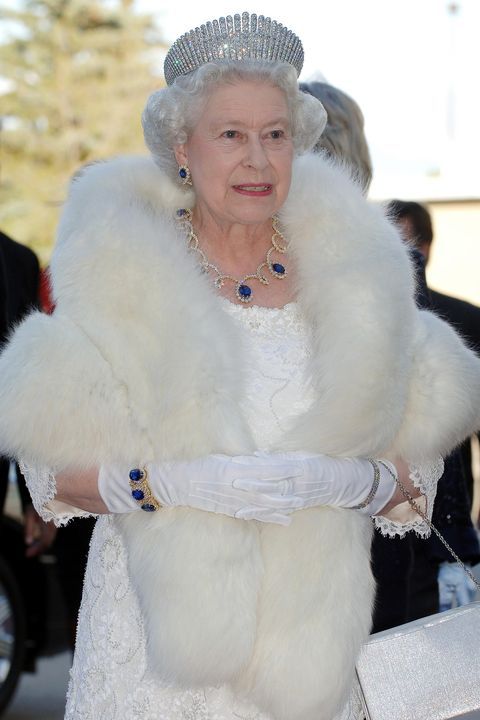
[[76, 74]]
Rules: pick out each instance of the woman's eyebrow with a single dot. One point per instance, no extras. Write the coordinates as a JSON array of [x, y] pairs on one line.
[[281, 120]]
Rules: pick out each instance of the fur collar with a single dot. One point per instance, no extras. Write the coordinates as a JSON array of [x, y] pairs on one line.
[[355, 287], [160, 343]]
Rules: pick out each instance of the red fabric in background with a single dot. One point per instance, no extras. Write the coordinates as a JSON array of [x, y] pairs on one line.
[[45, 292]]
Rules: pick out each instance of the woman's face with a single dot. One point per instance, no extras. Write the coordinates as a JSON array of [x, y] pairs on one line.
[[240, 153]]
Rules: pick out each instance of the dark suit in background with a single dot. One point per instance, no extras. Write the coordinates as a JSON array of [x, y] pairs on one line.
[[462, 315], [451, 513], [407, 569], [465, 318], [19, 286]]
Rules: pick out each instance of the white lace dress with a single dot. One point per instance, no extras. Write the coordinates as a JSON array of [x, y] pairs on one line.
[[110, 679]]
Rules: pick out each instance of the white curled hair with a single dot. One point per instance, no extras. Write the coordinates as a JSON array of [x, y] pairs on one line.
[[171, 113]]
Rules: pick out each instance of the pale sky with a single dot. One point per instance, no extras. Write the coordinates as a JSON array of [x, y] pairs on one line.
[[412, 66]]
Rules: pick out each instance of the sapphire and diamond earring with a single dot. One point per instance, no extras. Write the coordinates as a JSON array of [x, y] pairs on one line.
[[184, 175]]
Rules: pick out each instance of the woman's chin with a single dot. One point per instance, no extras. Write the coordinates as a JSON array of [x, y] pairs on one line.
[[255, 210]]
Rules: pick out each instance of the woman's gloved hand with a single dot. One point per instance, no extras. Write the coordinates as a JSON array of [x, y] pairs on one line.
[[211, 483], [355, 483], [264, 486]]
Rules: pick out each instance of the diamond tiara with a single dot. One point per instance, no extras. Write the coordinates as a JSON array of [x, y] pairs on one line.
[[233, 38]]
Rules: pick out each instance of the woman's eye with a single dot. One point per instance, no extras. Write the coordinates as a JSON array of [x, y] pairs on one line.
[[230, 134], [277, 134]]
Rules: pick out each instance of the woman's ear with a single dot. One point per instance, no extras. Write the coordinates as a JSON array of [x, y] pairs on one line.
[[180, 154]]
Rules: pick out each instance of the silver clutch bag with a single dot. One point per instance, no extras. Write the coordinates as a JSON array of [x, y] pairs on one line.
[[428, 669]]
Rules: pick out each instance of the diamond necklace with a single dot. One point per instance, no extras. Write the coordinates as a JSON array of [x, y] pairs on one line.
[[243, 291]]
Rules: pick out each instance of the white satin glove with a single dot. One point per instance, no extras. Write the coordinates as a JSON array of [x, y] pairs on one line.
[[209, 483], [325, 480]]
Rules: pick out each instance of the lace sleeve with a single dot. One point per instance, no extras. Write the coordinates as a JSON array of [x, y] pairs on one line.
[[42, 487], [403, 518]]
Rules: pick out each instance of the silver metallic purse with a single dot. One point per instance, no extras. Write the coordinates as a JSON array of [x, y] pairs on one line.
[[428, 669]]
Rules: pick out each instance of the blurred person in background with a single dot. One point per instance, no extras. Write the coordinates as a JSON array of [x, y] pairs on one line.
[[417, 229], [406, 569], [344, 137], [23, 287], [19, 294], [452, 512]]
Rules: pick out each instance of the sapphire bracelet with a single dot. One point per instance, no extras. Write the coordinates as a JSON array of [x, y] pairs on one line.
[[141, 491]]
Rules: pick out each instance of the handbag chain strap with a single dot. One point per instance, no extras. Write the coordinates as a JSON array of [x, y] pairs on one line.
[[432, 527]]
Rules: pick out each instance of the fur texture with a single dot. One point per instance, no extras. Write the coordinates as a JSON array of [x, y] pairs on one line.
[[136, 365], [200, 624], [312, 614]]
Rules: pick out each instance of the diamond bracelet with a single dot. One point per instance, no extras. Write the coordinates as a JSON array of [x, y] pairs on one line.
[[373, 489]]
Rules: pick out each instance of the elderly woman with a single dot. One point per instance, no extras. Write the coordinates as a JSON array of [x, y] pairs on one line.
[[233, 377]]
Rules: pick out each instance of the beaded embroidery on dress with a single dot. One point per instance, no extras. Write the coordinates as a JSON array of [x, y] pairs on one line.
[[277, 347]]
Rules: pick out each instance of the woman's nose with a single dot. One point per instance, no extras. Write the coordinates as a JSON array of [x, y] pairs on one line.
[[255, 155]]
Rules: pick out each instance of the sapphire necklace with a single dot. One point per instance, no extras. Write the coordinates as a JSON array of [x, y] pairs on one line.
[[243, 290]]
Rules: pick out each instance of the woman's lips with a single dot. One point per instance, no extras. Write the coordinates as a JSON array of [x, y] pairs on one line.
[[254, 190]]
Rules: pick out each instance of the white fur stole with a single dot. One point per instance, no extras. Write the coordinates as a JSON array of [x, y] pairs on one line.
[[136, 365]]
